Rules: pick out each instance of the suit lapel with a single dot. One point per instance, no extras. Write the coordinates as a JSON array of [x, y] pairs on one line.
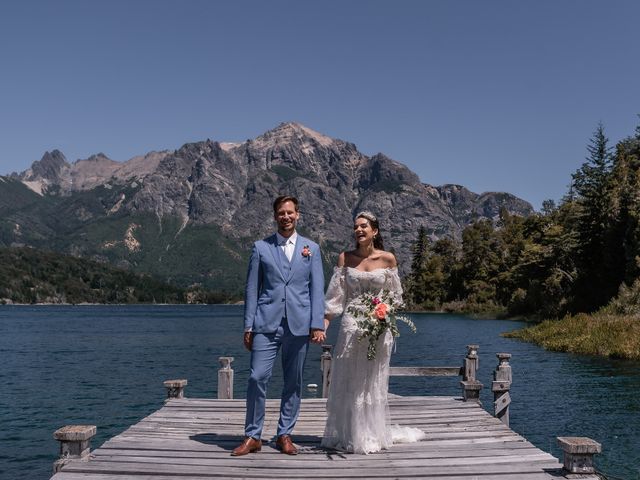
[[277, 254], [297, 254]]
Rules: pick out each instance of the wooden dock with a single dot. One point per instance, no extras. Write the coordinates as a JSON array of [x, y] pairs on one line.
[[192, 439]]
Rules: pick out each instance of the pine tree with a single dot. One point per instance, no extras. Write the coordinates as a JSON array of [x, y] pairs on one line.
[[591, 185], [415, 286], [623, 239], [449, 252], [480, 263]]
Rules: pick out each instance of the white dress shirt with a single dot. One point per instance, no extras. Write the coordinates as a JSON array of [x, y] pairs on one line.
[[288, 245]]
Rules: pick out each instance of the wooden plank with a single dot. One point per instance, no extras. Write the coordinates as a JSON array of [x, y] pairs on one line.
[[521, 450], [502, 402], [425, 371], [292, 464], [520, 476], [205, 444], [247, 469]]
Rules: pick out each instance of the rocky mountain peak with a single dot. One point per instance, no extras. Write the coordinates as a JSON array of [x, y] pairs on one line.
[[96, 158], [292, 133], [387, 174], [92, 172], [97, 162], [49, 167]]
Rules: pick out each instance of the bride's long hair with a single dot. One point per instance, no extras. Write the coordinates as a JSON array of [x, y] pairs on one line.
[[373, 221]]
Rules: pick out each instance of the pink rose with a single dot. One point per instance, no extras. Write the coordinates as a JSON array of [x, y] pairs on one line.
[[306, 251], [375, 300], [381, 311]]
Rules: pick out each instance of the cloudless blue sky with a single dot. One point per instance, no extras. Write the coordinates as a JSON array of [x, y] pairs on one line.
[[493, 95]]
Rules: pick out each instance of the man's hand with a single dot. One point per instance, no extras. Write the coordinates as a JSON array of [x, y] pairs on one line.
[[248, 340], [317, 336]]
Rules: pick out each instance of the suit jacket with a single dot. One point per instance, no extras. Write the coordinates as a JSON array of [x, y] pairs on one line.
[[277, 288]]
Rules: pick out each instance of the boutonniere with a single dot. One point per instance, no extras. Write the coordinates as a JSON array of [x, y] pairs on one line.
[[306, 251]]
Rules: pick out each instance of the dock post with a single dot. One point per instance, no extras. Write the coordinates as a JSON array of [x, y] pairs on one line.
[[471, 363], [500, 387], [578, 453], [225, 378], [175, 388], [325, 366], [75, 444], [470, 385]]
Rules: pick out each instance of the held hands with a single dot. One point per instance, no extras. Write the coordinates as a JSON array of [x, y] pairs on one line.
[[317, 336]]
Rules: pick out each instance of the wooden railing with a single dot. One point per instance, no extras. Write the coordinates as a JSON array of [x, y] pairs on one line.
[[470, 385]]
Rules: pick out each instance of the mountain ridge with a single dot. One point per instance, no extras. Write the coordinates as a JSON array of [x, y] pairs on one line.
[[228, 188]]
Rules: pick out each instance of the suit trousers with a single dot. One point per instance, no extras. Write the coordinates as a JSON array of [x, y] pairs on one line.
[[263, 354]]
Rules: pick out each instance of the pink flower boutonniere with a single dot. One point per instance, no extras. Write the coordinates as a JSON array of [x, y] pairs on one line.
[[306, 251]]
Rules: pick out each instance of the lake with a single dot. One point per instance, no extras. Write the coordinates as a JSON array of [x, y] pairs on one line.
[[104, 365]]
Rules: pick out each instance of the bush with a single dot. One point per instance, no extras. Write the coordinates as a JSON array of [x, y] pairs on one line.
[[626, 303]]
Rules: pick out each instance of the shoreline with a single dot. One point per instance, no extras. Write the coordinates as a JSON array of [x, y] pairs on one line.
[[612, 336], [88, 304], [603, 335]]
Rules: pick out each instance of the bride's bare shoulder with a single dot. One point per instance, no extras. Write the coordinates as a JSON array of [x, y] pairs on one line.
[[389, 259], [349, 259]]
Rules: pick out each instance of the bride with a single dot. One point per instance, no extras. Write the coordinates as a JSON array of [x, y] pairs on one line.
[[357, 406]]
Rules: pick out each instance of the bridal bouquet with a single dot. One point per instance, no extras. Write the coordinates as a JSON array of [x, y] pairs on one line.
[[375, 314]]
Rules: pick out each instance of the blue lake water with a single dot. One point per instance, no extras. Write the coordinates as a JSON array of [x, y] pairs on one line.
[[104, 365]]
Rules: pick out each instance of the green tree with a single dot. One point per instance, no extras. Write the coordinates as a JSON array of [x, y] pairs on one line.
[[591, 184], [545, 273], [415, 286], [448, 250], [432, 283], [623, 239], [431, 267], [480, 263]]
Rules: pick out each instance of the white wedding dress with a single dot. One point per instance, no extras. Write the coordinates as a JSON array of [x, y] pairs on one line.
[[357, 406]]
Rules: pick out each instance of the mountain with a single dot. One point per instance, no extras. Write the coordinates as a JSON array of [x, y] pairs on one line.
[[190, 215]]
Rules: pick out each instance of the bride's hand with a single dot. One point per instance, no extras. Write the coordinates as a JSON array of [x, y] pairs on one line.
[[317, 336]]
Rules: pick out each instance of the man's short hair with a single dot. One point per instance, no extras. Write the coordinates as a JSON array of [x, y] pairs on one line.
[[282, 199]]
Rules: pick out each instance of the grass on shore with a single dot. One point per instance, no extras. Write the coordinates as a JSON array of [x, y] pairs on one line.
[[604, 334]]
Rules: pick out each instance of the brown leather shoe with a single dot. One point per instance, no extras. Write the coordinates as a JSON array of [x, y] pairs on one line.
[[285, 445], [248, 445]]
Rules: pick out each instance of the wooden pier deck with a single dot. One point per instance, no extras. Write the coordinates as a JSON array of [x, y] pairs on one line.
[[192, 438]]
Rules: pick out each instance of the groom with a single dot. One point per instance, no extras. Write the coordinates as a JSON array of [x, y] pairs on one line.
[[284, 308]]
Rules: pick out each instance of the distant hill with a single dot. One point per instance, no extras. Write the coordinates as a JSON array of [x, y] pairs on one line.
[[32, 276], [190, 215]]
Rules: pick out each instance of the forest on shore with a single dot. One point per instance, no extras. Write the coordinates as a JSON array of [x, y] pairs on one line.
[[30, 276], [575, 264]]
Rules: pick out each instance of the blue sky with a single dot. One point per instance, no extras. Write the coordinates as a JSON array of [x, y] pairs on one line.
[[492, 95]]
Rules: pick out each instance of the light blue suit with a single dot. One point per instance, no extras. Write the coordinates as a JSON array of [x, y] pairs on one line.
[[283, 301]]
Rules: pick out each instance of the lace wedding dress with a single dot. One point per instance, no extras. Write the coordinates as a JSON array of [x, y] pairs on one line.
[[357, 406]]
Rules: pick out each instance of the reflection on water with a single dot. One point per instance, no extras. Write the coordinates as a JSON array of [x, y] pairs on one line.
[[105, 365]]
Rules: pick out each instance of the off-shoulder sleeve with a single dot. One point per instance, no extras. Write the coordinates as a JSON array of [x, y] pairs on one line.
[[394, 285], [334, 299]]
